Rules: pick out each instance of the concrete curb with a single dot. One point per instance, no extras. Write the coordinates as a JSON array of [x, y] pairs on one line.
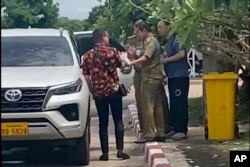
[[153, 153]]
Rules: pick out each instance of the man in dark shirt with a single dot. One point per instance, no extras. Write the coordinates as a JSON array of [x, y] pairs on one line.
[[99, 69], [176, 69]]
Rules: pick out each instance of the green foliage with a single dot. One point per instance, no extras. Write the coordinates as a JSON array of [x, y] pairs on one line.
[[3, 23], [96, 12], [116, 16], [216, 27], [219, 28], [72, 25], [196, 112], [34, 13]]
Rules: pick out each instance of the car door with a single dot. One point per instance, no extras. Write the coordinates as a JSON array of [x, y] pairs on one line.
[[84, 43]]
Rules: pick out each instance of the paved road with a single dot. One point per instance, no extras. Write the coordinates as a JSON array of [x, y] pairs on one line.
[[59, 157]]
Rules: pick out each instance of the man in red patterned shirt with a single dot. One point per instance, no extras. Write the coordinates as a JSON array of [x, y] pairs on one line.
[[99, 68]]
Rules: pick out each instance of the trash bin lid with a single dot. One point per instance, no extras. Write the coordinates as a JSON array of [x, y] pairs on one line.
[[216, 75]]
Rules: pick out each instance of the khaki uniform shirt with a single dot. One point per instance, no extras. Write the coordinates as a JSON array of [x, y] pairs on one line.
[[152, 68]]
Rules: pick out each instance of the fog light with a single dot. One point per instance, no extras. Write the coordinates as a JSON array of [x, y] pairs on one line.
[[70, 112]]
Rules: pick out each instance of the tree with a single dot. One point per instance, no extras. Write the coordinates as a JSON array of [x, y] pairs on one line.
[[218, 28], [96, 12], [72, 25], [34, 13], [116, 16]]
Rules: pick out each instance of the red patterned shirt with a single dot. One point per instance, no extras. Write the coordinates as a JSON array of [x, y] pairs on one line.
[[101, 63]]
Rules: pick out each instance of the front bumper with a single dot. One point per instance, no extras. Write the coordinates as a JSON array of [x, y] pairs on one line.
[[52, 125], [43, 126]]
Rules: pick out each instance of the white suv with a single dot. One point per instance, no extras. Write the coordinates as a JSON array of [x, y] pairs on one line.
[[45, 99]]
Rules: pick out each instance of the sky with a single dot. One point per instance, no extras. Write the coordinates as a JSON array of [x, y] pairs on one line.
[[76, 9]]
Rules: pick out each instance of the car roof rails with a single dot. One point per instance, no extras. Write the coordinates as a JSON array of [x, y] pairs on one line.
[[61, 31]]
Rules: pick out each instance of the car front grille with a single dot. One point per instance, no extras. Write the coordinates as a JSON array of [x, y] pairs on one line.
[[31, 101]]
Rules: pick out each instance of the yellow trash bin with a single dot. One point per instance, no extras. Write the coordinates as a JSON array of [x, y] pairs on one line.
[[220, 99]]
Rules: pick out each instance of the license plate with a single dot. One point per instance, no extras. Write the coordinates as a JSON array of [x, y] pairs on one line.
[[14, 129]]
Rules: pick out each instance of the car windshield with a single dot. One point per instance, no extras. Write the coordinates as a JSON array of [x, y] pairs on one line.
[[35, 51]]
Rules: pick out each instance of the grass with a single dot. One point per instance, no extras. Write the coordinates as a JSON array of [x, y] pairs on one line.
[[196, 114]]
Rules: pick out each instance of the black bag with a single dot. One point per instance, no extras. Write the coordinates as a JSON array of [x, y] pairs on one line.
[[122, 89]]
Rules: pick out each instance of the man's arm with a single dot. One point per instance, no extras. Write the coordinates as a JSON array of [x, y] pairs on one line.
[[180, 55], [85, 70], [147, 55], [140, 60], [88, 80], [121, 60]]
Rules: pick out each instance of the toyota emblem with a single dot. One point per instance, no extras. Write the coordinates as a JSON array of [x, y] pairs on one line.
[[13, 95]]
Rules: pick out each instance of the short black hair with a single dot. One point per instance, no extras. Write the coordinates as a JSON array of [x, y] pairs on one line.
[[98, 34], [141, 25]]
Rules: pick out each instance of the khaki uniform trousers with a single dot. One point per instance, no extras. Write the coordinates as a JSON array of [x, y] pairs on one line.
[[168, 125], [137, 86], [152, 109]]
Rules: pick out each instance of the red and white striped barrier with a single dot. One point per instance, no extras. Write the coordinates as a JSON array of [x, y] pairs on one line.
[[132, 111], [153, 153]]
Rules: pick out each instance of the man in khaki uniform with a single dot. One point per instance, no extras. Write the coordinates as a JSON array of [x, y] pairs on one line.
[[151, 84], [133, 40]]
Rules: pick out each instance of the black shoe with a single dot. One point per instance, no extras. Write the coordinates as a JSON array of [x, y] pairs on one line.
[[160, 139], [144, 140], [104, 157], [122, 155]]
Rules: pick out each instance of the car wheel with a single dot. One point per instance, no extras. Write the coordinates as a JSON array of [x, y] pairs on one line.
[[80, 152]]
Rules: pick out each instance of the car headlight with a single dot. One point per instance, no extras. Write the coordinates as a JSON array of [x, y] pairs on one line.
[[72, 88]]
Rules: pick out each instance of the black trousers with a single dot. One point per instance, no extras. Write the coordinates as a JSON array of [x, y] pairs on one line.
[[167, 120], [102, 104], [178, 93]]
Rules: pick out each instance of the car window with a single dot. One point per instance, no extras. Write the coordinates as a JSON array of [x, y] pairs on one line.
[[75, 49], [84, 43], [35, 51]]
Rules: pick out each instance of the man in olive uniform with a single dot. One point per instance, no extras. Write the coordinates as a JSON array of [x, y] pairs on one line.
[[133, 40], [151, 84]]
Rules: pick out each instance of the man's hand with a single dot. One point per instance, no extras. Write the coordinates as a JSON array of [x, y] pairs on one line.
[[126, 63], [88, 80], [164, 80], [131, 52], [164, 60]]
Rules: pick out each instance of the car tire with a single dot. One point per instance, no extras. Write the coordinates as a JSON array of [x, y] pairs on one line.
[[79, 153]]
